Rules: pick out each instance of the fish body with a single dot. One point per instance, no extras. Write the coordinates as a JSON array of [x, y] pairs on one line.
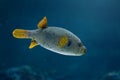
[[55, 39]]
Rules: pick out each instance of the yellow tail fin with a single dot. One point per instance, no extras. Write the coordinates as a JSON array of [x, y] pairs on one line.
[[20, 33]]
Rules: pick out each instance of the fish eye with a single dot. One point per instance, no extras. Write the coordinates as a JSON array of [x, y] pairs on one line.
[[79, 44]]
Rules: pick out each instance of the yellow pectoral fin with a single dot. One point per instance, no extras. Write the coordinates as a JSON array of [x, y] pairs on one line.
[[33, 44], [63, 41], [20, 33], [42, 23]]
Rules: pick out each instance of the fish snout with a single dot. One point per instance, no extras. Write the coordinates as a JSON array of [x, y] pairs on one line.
[[83, 50]]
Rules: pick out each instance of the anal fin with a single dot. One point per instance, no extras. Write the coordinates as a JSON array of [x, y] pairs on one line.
[[33, 44]]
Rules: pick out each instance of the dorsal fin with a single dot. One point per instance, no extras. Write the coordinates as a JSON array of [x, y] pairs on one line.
[[33, 44], [42, 23]]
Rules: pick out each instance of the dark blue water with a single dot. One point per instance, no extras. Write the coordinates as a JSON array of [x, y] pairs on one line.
[[95, 22]]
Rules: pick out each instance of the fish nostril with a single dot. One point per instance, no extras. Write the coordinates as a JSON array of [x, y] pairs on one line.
[[79, 44]]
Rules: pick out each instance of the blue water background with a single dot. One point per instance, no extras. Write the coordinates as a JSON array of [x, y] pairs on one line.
[[95, 22]]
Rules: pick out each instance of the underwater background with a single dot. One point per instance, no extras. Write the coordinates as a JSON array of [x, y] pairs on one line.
[[95, 22]]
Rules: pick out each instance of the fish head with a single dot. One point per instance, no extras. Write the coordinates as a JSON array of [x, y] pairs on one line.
[[75, 48], [78, 50]]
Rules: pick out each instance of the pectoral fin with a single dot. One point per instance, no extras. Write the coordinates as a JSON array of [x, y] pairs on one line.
[[33, 44], [63, 41], [42, 23]]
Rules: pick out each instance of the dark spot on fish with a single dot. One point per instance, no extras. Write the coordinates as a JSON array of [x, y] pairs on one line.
[[44, 27], [69, 43]]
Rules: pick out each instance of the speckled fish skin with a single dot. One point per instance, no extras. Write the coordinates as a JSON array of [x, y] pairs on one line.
[[49, 38], [55, 39]]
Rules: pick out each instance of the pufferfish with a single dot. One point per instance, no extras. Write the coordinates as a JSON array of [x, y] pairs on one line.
[[55, 39]]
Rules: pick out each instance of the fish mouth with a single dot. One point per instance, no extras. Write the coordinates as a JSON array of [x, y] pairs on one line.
[[83, 50]]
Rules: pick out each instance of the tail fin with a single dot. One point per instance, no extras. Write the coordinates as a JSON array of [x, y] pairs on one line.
[[20, 33]]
